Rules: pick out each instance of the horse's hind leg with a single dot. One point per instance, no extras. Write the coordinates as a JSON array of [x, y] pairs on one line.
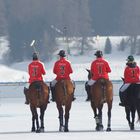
[[133, 119], [42, 112], [34, 118], [67, 109], [127, 111], [109, 116], [60, 110], [98, 118]]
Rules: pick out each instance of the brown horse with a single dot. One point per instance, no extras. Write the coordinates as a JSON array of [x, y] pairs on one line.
[[64, 91], [101, 92], [38, 95]]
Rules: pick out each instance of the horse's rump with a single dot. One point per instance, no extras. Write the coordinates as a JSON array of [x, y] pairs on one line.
[[38, 93], [64, 91], [132, 94], [102, 91]]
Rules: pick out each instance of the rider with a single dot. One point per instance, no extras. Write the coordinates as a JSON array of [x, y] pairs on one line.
[[99, 68], [35, 70], [131, 75], [62, 69]]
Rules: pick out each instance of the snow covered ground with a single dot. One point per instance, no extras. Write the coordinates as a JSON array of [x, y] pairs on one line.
[[15, 122]]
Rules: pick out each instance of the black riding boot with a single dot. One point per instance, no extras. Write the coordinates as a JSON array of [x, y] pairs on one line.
[[26, 95], [53, 93], [87, 88], [122, 96]]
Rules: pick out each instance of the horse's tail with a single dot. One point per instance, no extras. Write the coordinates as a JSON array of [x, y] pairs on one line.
[[103, 88], [67, 87]]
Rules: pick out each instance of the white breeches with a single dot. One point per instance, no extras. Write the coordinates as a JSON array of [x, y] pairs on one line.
[[124, 87], [91, 82], [53, 83]]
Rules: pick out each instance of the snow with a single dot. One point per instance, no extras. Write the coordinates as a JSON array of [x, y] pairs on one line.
[[15, 120]]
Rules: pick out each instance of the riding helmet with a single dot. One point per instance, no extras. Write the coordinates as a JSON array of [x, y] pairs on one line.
[[99, 53], [35, 56], [62, 53], [130, 58]]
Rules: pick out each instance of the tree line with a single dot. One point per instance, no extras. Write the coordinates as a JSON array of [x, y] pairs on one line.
[[46, 20]]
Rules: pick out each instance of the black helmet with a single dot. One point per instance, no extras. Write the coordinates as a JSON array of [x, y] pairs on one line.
[[99, 53], [62, 53], [130, 58], [35, 56]]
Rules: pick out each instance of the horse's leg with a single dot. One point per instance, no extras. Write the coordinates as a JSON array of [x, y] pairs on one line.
[[67, 109], [60, 111], [33, 123], [138, 108], [127, 111], [34, 118], [99, 125], [94, 109], [95, 114], [42, 112], [133, 111], [109, 116]]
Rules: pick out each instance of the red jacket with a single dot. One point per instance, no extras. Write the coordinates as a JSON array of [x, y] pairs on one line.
[[62, 69], [36, 70], [131, 75], [100, 69]]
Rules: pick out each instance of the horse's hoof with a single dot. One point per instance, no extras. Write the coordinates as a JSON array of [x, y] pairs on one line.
[[131, 127], [42, 130], [33, 130], [61, 129], [38, 130], [108, 129], [66, 130], [99, 128]]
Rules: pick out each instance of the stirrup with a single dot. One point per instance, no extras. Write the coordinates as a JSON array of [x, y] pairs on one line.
[[121, 104], [26, 102]]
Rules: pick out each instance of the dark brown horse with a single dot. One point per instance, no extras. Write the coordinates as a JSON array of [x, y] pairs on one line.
[[101, 92], [131, 97], [38, 95], [64, 91]]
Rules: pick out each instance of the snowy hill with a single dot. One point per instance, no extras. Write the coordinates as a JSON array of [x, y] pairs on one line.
[[18, 72]]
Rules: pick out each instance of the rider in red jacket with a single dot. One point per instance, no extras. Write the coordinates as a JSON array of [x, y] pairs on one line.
[[131, 75], [35, 70], [99, 68], [62, 69]]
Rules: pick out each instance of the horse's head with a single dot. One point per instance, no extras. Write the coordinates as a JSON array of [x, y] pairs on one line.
[[89, 74]]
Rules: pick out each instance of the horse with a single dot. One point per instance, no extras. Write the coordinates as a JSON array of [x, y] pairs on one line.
[[38, 95], [64, 91], [131, 98], [87, 87], [101, 92]]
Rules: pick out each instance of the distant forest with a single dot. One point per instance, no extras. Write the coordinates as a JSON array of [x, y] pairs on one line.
[[45, 20]]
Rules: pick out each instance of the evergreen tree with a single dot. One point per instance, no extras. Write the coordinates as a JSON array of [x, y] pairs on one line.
[[108, 46], [122, 45]]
